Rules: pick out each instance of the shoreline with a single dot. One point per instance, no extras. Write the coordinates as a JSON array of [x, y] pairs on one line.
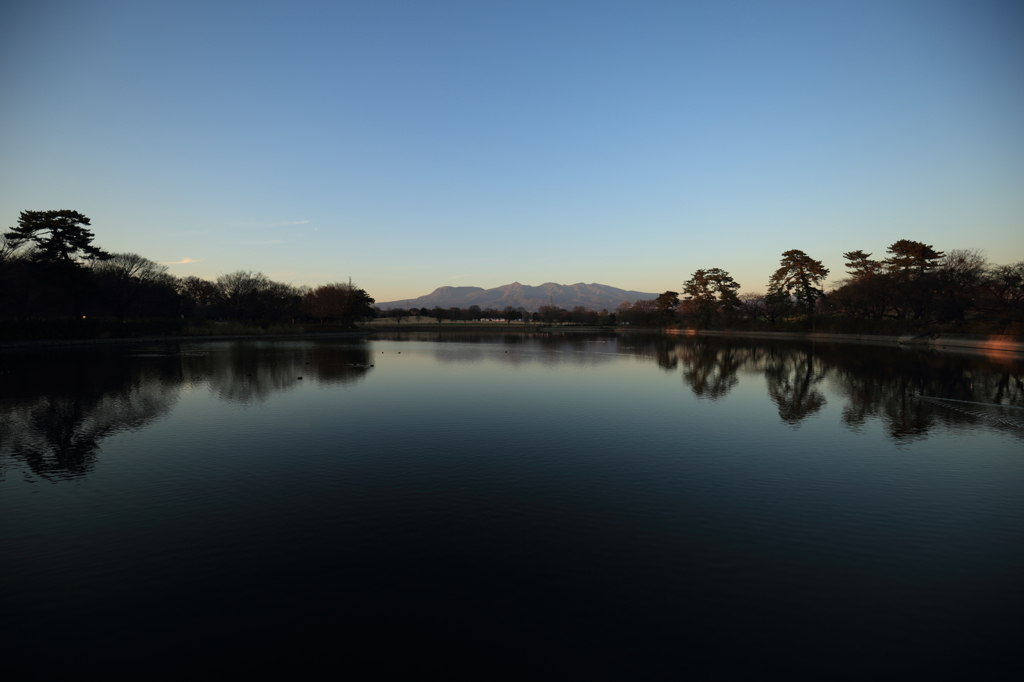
[[57, 343], [938, 341]]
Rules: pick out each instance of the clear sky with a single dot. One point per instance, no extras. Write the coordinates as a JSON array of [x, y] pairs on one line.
[[412, 145]]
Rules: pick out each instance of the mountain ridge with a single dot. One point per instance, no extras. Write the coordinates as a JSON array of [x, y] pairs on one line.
[[594, 296]]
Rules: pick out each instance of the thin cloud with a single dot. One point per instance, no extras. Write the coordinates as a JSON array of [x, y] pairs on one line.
[[183, 261], [266, 226], [264, 243]]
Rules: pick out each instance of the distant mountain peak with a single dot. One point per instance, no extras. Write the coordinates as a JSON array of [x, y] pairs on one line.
[[594, 296]]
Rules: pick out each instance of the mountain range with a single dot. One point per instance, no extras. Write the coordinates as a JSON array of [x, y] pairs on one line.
[[593, 296]]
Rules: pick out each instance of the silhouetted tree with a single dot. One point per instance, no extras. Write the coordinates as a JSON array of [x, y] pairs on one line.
[[198, 295], [342, 301], [752, 306], [910, 266], [666, 305], [799, 276], [62, 244], [623, 314], [911, 258], [246, 295], [238, 293], [959, 282], [126, 279], [713, 293], [20, 290], [510, 313], [777, 304], [59, 236], [867, 292], [397, 313], [859, 264], [582, 315], [7, 251], [644, 312], [323, 302], [550, 314], [1005, 292]]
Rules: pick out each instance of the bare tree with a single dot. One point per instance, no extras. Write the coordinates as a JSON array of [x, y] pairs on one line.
[[397, 313], [7, 250], [959, 281], [197, 293], [126, 277], [1005, 285], [644, 312], [752, 305], [239, 292]]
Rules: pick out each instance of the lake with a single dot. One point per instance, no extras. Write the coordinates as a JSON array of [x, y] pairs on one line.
[[550, 504]]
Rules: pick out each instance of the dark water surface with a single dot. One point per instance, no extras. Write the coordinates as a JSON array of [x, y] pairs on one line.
[[548, 504]]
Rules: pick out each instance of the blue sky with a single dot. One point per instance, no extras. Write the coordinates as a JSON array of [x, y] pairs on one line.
[[411, 145]]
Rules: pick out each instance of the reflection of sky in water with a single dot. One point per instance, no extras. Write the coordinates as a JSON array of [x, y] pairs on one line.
[[643, 477], [529, 386]]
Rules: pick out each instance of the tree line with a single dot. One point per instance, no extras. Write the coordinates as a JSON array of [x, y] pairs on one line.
[[546, 314], [50, 268], [473, 313], [913, 287]]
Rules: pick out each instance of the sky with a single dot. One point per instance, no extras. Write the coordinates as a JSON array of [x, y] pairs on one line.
[[412, 145]]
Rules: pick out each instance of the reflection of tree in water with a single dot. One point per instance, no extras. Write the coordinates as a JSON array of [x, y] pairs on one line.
[[55, 410], [877, 382], [248, 372], [793, 376], [874, 380], [460, 347], [516, 348], [880, 383], [588, 350], [710, 368], [663, 350], [1008, 388]]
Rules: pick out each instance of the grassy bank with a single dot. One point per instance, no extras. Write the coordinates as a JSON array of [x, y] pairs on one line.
[[448, 327], [88, 328]]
